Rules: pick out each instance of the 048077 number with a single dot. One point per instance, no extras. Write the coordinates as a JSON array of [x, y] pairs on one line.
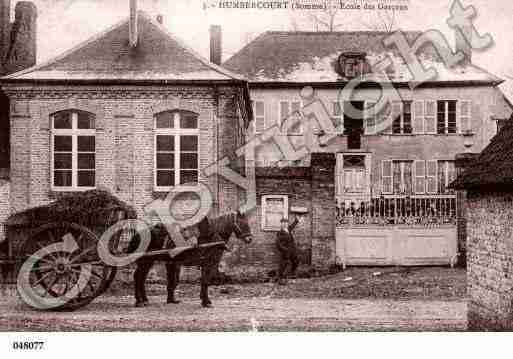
[[28, 345]]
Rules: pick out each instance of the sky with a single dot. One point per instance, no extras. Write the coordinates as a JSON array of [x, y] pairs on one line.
[[65, 23]]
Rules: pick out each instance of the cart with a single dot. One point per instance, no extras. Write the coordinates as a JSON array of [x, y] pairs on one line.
[[56, 256]]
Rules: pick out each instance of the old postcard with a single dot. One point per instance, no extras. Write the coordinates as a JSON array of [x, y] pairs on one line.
[[254, 165]]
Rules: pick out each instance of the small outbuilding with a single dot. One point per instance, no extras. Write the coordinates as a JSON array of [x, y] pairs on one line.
[[488, 183]]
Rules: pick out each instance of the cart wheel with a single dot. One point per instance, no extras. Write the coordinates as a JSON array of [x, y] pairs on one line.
[[59, 266]]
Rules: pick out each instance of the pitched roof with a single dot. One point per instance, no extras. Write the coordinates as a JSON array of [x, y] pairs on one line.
[[280, 56], [158, 56], [494, 166]]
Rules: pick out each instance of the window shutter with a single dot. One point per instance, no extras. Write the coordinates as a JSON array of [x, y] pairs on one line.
[[432, 176], [418, 117], [430, 117], [397, 112], [284, 111], [259, 111], [420, 177], [295, 109], [386, 176], [465, 115]]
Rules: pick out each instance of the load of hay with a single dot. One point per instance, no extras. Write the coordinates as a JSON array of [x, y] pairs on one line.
[[92, 209]]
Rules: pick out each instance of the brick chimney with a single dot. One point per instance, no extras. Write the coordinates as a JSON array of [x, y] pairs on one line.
[[20, 49], [133, 36], [5, 25], [463, 45], [216, 45]]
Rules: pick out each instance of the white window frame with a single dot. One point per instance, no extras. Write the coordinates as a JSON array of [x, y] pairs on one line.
[[446, 170], [285, 198], [176, 132], [446, 120], [282, 118], [261, 117], [398, 111], [354, 173], [74, 132]]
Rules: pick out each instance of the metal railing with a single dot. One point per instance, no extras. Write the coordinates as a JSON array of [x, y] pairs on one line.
[[424, 210]]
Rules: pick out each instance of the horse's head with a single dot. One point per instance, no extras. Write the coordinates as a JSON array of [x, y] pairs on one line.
[[241, 227]]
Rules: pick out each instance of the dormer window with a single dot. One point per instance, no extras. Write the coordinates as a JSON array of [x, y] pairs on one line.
[[351, 64]]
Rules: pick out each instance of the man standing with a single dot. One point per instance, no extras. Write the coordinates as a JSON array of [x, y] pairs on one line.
[[287, 248]]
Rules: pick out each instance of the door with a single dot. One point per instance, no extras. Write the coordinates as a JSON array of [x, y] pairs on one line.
[[353, 179]]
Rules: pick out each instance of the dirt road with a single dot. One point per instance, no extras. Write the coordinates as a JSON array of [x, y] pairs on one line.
[[118, 314]]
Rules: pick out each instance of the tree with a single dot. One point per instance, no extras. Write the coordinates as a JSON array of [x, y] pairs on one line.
[[383, 20], [330, 19]]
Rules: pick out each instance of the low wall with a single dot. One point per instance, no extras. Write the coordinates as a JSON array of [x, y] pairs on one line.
[[490, 260]]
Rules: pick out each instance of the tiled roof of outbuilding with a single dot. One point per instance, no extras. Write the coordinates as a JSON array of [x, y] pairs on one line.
[[280, 56], [158, 56], [494, 166]]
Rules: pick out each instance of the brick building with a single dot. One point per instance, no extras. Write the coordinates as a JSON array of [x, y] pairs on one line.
[[17, 52], [488, 185], [132, 110], [391, 169]]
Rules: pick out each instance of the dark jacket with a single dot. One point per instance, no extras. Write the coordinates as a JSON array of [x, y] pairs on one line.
[[285, 241]]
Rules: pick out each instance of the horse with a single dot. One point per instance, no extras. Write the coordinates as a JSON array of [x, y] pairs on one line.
[[209, 231]]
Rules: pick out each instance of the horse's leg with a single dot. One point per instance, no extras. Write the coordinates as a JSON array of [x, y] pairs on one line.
[[143, 268], [206, 270], [137, 283], [173, 277]]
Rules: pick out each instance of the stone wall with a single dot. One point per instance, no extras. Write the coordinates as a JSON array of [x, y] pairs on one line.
[[5, 209], [490, 260]]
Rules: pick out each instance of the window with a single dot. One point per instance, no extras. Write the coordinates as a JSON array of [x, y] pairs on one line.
[[397, 177], [446, 175], [446, 117], [351, 64], [274, 208], [176, 149], [402, 118], [259, 113], [354, 173], [291, 110], [73, 150], [402, 179]]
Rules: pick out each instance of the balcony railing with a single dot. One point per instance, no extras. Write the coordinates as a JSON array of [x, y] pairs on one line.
[[429, 210]]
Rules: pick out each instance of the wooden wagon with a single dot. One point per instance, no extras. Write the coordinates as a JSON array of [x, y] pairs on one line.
[[38, 247]]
